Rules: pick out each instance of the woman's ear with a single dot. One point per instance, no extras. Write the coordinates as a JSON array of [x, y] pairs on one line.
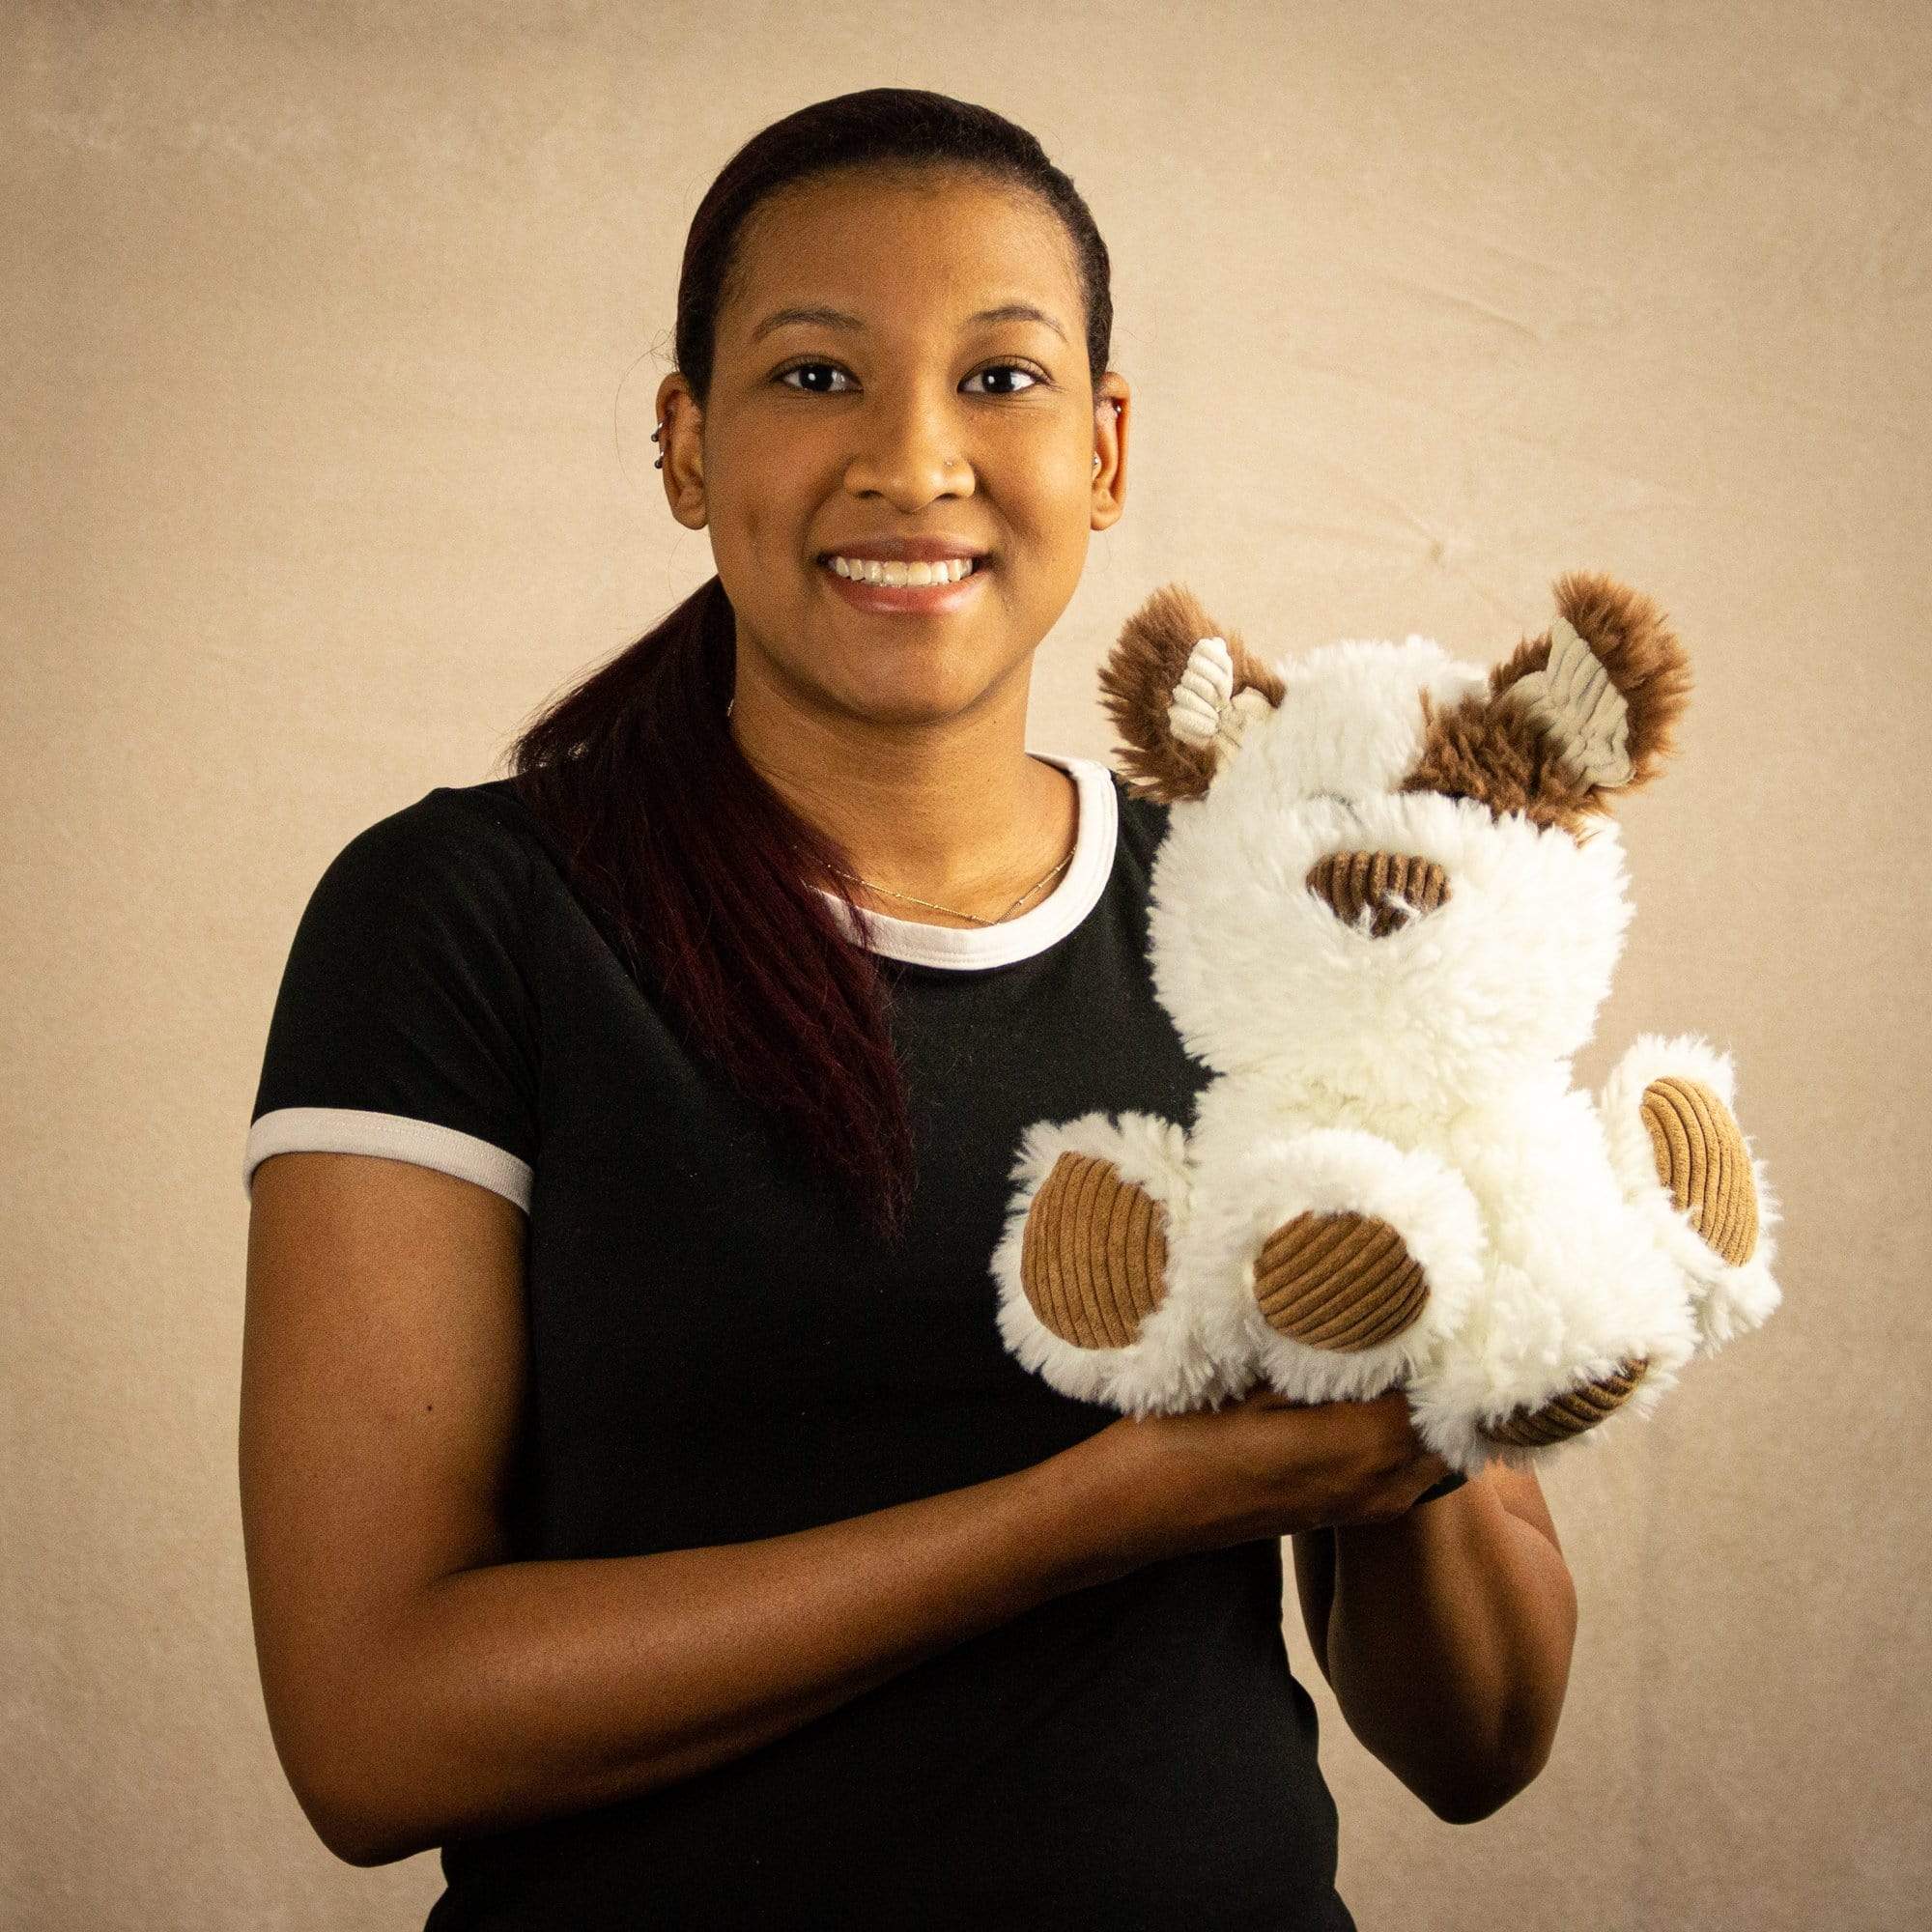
[[1180, 689]]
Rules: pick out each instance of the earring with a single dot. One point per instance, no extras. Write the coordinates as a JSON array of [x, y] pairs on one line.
[[655, 434], [1096, 458]]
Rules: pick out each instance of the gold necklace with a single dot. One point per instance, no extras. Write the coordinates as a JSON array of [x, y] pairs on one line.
[[937, 907]]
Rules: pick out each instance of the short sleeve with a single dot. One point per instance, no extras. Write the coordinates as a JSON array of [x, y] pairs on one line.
[[405, 1022]]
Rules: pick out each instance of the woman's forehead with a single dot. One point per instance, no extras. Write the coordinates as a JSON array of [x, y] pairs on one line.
[[872, 261]]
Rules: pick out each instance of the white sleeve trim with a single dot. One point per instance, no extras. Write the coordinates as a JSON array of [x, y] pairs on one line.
[[394, 1137]]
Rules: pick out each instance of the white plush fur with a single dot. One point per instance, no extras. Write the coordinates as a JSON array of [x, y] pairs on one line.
[[1422, 1076]]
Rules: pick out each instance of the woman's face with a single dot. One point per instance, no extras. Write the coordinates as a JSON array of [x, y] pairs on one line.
[[915, 418]]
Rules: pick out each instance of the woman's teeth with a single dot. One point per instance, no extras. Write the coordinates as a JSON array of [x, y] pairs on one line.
[[869, 570]]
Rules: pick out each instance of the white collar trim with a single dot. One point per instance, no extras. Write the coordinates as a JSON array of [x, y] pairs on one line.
[[972, 946]]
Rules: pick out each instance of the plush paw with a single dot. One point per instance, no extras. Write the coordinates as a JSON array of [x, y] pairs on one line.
[[1340, 1281], [1084, 1266], [1687, 1165], [1330, 1261], [1094, 1257], [1569, 1414], [1701, 1157]]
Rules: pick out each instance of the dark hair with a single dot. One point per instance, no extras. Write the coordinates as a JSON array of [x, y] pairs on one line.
[[693, 858]]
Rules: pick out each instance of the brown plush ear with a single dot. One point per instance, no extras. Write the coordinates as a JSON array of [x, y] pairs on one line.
[[1138, 683], [1572, 720]]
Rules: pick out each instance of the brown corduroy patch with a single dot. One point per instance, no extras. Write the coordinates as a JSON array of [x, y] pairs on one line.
[[1340, 1281], [1701, 1157], [1094, 1253], [1569, 1415], [1348, 881]]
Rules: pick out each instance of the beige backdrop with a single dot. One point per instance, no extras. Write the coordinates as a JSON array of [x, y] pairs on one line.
[[319, 479]]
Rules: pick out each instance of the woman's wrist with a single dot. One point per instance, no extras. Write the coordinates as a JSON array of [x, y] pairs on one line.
[[1107, 1504]]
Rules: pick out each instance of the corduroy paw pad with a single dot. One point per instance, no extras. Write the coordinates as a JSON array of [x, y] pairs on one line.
[[1569, 1415], [1340, 1281], [1094, 1257], [1702, 1160]]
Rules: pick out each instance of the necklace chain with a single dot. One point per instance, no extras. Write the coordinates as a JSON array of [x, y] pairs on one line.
[[957, 914]]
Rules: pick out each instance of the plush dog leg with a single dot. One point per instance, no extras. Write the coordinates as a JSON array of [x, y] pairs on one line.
[[1083, 1265], [1581, 1317], [1460, 1404], [1687, 1165], [1331, 1261], [1527, 1375], [1341, 1280], [1569, 1415]]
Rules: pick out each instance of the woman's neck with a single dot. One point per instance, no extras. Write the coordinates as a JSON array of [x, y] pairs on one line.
[[968, 839]]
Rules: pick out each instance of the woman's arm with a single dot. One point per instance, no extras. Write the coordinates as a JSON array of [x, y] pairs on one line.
[[420, 1685], [1446, 1634]]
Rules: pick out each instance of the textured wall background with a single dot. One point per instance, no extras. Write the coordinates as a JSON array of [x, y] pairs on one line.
[[321, 474]]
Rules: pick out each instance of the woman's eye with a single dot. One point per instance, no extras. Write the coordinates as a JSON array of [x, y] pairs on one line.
[[998, 368], [1011, 369], [799, 368]]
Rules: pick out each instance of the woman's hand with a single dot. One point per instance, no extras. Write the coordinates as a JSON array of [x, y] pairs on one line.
[[1267, 1467]]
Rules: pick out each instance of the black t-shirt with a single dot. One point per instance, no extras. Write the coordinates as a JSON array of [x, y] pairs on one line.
[[717, 1354]]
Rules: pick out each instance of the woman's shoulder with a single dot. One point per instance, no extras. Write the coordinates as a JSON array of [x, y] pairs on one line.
[[448, 878], [481, 838], [483, 820]]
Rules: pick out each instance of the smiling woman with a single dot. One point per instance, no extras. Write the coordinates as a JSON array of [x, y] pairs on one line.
[[640, 1503], [892, 343]]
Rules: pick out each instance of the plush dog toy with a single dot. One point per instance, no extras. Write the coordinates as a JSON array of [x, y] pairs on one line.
[[1385, 913]]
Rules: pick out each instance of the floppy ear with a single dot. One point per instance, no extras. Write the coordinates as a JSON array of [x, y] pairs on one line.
[[1572, 720], [1180, 691]]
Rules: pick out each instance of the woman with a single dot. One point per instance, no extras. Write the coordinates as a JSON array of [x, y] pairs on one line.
[[639, 1503]]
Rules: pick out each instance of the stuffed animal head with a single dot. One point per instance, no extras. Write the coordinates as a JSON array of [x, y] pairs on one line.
[[1382, 863]]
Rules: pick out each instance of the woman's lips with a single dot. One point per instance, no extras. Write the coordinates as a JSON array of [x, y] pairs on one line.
[[922, 598]]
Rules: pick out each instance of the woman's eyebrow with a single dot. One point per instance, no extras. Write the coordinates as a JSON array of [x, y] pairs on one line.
[[834, 318]]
